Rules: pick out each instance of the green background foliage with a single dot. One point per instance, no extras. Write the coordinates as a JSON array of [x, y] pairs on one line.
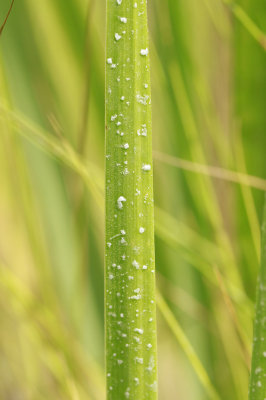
[[209, 93]]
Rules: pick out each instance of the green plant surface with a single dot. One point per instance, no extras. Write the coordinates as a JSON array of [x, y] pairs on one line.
[[247, 23], [182, 339], [199, 251], [257, 388], [131, 350], [6, 18], [208, 101], [178, 235]]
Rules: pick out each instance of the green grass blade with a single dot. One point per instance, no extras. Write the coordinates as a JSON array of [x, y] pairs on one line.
[[212, 171], [257, 389], [5, 21], [247, 23], [58, 147], [188, 349], [178, 236], [248, 199], [131, 359]]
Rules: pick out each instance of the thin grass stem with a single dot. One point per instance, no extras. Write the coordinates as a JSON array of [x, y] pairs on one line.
[[257, 388], [131, 355]]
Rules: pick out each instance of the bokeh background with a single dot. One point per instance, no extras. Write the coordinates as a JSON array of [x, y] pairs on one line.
[[208, 63]]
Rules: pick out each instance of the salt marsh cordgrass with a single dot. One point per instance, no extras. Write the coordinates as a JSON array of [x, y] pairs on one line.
[[131, 354], [257, 388]]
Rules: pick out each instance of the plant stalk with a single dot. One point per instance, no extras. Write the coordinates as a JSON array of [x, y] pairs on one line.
[[131, 354], [257, 387]]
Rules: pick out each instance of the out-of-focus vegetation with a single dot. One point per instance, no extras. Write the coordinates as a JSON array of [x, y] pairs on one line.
[[208, 64]]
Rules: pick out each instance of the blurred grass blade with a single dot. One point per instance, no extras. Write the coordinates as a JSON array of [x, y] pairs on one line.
[[257, 388], [214, 172], [218, 16], [46, 325], [179, 236], [60, 148], [186, 346], [201, 185], [131, 358], [199, 252], [247, 22], [5, 21], [243, 339], [249, 202]]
